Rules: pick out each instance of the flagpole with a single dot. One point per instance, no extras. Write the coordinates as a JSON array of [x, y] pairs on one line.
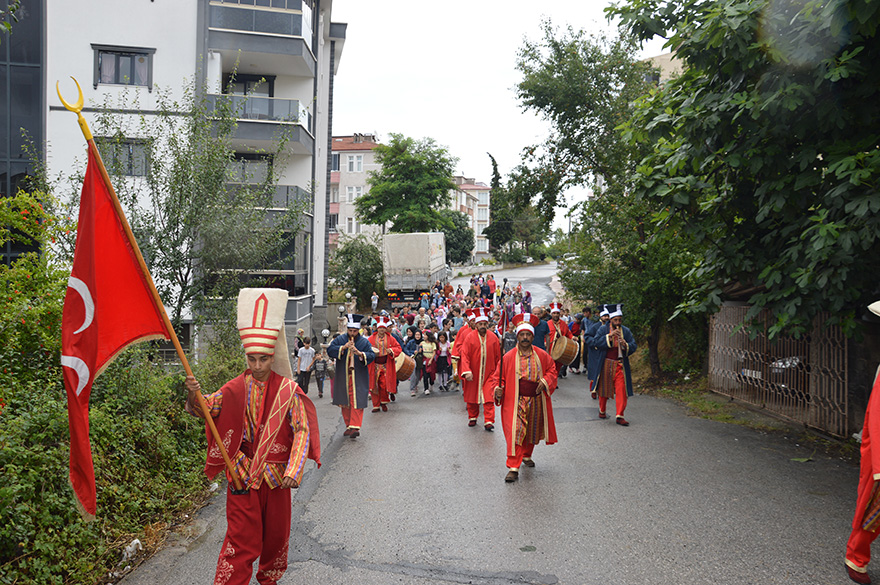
[[157, 301]]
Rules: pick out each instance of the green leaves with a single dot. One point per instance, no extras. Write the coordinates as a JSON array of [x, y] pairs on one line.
[[769, 131], [413, 183]]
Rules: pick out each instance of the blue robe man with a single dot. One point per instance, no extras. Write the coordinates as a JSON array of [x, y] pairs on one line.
[[351, 385], [608, 368]]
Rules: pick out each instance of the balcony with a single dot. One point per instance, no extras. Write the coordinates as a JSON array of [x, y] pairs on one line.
[[261, 119], [273, 35], [284, 196]]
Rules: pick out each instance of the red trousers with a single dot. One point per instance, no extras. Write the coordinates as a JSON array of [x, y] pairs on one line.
[[619, 392], [258, 525], [521, 452], [858, 547], [353, 417], [473, 410], [379, 395]]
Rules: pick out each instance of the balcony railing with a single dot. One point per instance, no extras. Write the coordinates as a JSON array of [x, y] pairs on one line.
[[285, 196], [277, 17], [262, 108]]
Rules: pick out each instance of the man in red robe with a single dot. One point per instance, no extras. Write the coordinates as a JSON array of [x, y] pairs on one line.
[[383, 370], [522, 384], [269, 428], [479, 358], [865, 522], [556, 328]]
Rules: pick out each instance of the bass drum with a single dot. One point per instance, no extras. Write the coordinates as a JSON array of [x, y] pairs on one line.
[[564, 350], [405, 366]]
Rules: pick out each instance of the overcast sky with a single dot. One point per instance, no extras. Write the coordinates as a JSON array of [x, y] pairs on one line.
[[447, 70]]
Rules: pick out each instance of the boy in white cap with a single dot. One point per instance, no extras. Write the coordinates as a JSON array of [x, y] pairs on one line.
[[270, 428]]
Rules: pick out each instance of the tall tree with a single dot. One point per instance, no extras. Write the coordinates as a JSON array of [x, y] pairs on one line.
[[765, 151], [501, 213], [586, 86], [459, 236], [199, 209], [414, 182]]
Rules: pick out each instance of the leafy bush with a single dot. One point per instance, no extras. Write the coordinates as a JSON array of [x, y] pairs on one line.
[[513, 256], [148, 453]]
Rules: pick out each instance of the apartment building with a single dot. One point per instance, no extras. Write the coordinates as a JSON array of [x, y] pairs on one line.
[[284, 52], [352, 162], [478, 199]]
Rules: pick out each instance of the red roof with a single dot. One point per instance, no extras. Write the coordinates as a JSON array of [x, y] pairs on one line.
[[347, 143]]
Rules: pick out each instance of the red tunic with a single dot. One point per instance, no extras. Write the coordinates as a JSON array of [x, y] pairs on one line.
[[556, 328], [392, 350], [479, 356], [460, 338], [858, 548], [510, 402]]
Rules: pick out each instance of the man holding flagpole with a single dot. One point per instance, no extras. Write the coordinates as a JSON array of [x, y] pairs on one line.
[[271, 428]]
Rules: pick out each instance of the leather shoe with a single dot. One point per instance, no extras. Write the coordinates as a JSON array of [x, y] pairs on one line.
[[511, 476], [490, 427], [528, 463], [391, 396], [347, 432], [602, 414], [858, 577], [622, 421], [384, 408], [355, 433], [375, 409], [472, 423], [593, 395]]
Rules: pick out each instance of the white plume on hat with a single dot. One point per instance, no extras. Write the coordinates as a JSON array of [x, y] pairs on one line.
[[261, 325]]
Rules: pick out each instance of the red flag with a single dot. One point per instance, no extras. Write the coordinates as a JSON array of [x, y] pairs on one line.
[[108, 306]]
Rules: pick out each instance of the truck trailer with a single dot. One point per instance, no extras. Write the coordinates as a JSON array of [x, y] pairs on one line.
[[412, 263]]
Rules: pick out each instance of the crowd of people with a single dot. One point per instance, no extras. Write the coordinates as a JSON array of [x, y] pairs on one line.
[[492, 344]]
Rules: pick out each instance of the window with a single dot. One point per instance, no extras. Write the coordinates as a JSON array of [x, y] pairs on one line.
[[355, 163], [334, 162], [332, 220], [349, 194], [480, 228], [334, 195], [127, 156], [482, 245], [350, 223], [482, 214], [484, 197], [123, 65], [358, 191]]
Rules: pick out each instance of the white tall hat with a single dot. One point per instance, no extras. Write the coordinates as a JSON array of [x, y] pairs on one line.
[[261, 325], [616, 310]]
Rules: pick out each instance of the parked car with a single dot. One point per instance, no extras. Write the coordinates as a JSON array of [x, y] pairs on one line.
[[529, 260]]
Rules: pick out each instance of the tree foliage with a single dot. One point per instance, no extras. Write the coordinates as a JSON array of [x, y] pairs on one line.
[[357, 266], [586, 87], [199, 214], [501, 213], [764, 151], [414, 182], [459, 236]]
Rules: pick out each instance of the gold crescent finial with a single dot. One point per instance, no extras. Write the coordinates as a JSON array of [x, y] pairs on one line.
[[76, 108]]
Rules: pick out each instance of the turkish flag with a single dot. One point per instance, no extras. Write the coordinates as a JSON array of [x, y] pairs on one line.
[[108, 306]]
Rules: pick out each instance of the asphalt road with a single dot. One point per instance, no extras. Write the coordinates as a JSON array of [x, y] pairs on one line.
[[419, 498], [535, 279]]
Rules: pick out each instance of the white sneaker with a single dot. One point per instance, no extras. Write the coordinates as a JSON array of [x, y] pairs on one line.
[[413, 393], [427, 391]]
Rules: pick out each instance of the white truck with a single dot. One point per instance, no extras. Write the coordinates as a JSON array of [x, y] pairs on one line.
[[412, 263]]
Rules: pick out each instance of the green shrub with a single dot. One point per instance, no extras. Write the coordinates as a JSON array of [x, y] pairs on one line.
[[148, 453]]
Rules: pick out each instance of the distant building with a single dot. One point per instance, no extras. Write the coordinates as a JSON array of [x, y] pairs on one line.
[[668, 66], [472, 198], [353, 161]]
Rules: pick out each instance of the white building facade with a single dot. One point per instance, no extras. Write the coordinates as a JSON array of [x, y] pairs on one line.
[[283, 52], [353, 160]]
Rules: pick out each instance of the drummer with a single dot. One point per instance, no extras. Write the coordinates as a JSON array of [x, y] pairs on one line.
[[557, 328], [383, 370]]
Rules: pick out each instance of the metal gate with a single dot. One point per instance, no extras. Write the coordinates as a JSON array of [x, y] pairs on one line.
[[803, 380]]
